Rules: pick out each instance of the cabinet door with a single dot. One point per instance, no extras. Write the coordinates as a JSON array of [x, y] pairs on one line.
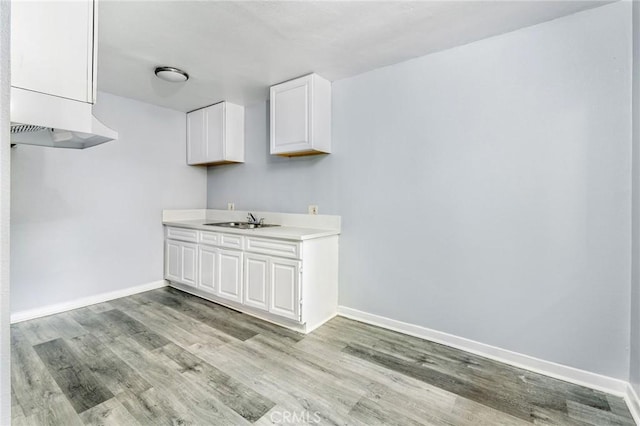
[[189, 264], [208, 266], [173, 260], [290, 116], [284, 299], [256, 281], [52, 47], [196, 137], [215, 125], [230, 275]]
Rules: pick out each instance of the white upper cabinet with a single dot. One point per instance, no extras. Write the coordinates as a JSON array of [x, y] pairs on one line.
[[196, 137], [215, 134], [53, 48], [301, 116]]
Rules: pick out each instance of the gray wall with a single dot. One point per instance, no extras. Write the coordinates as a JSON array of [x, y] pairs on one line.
[[484, 190], [85, 222], [5, 82], [635, 273]]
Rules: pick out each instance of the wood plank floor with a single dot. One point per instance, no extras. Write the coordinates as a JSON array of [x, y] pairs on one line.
[[166, 357]]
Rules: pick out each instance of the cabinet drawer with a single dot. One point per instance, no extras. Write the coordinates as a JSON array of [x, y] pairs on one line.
[[274, 247], [210, 238], [182, 234], [231, 241]]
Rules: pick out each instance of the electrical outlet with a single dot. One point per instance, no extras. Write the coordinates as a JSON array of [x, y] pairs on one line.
[[313, 209], [231, 206]]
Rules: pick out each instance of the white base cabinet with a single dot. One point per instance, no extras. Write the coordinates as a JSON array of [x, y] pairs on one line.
[[256, 281], [180, 262], [219, 272], [273, 285], [208, 268], [291, 283], [284, 294], [230, 275]]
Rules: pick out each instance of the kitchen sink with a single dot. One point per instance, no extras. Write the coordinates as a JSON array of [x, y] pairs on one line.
[[240, 225]]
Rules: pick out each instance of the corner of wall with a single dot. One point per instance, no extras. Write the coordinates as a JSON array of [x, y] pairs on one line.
[[634, 353]]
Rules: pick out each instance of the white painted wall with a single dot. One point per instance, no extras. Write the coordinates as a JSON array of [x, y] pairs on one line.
[[634, 365], [86, 222], [5, 199], [484, 190]]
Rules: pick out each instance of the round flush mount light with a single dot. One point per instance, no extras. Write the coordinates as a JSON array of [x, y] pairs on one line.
[[174, 75]]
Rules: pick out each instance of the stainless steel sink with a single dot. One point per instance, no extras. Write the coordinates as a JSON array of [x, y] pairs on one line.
[[240, 225]]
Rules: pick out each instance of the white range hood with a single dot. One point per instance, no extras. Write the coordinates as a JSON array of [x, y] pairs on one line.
[[47, 120]]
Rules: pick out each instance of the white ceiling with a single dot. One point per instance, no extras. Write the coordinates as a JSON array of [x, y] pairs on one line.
[[235, 50]]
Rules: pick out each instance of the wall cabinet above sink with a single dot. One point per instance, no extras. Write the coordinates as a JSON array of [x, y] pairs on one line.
[[301, 117], [215, 135]]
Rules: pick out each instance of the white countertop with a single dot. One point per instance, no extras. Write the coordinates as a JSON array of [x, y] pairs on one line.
[[282, 232]]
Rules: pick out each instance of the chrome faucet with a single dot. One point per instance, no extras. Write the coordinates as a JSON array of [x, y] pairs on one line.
[[253, 221]]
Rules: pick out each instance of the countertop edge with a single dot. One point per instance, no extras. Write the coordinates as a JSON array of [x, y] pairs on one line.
[[300, 234]]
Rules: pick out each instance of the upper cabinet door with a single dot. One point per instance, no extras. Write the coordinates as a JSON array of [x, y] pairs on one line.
[[301, 116], [290, 116], [215, 135], [196, 137], [214, 116], [52, 48]]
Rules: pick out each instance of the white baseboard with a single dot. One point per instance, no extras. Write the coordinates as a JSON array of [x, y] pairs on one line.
[[84, 301], [569, 374], [633, 402]]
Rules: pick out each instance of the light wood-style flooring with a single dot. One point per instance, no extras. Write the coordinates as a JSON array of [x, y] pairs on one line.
[[168, 358]]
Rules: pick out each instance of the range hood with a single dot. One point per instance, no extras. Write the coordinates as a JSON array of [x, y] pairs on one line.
[[47, 120]]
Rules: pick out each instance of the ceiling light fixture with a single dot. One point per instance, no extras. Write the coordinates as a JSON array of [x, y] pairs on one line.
[[174, 75]]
